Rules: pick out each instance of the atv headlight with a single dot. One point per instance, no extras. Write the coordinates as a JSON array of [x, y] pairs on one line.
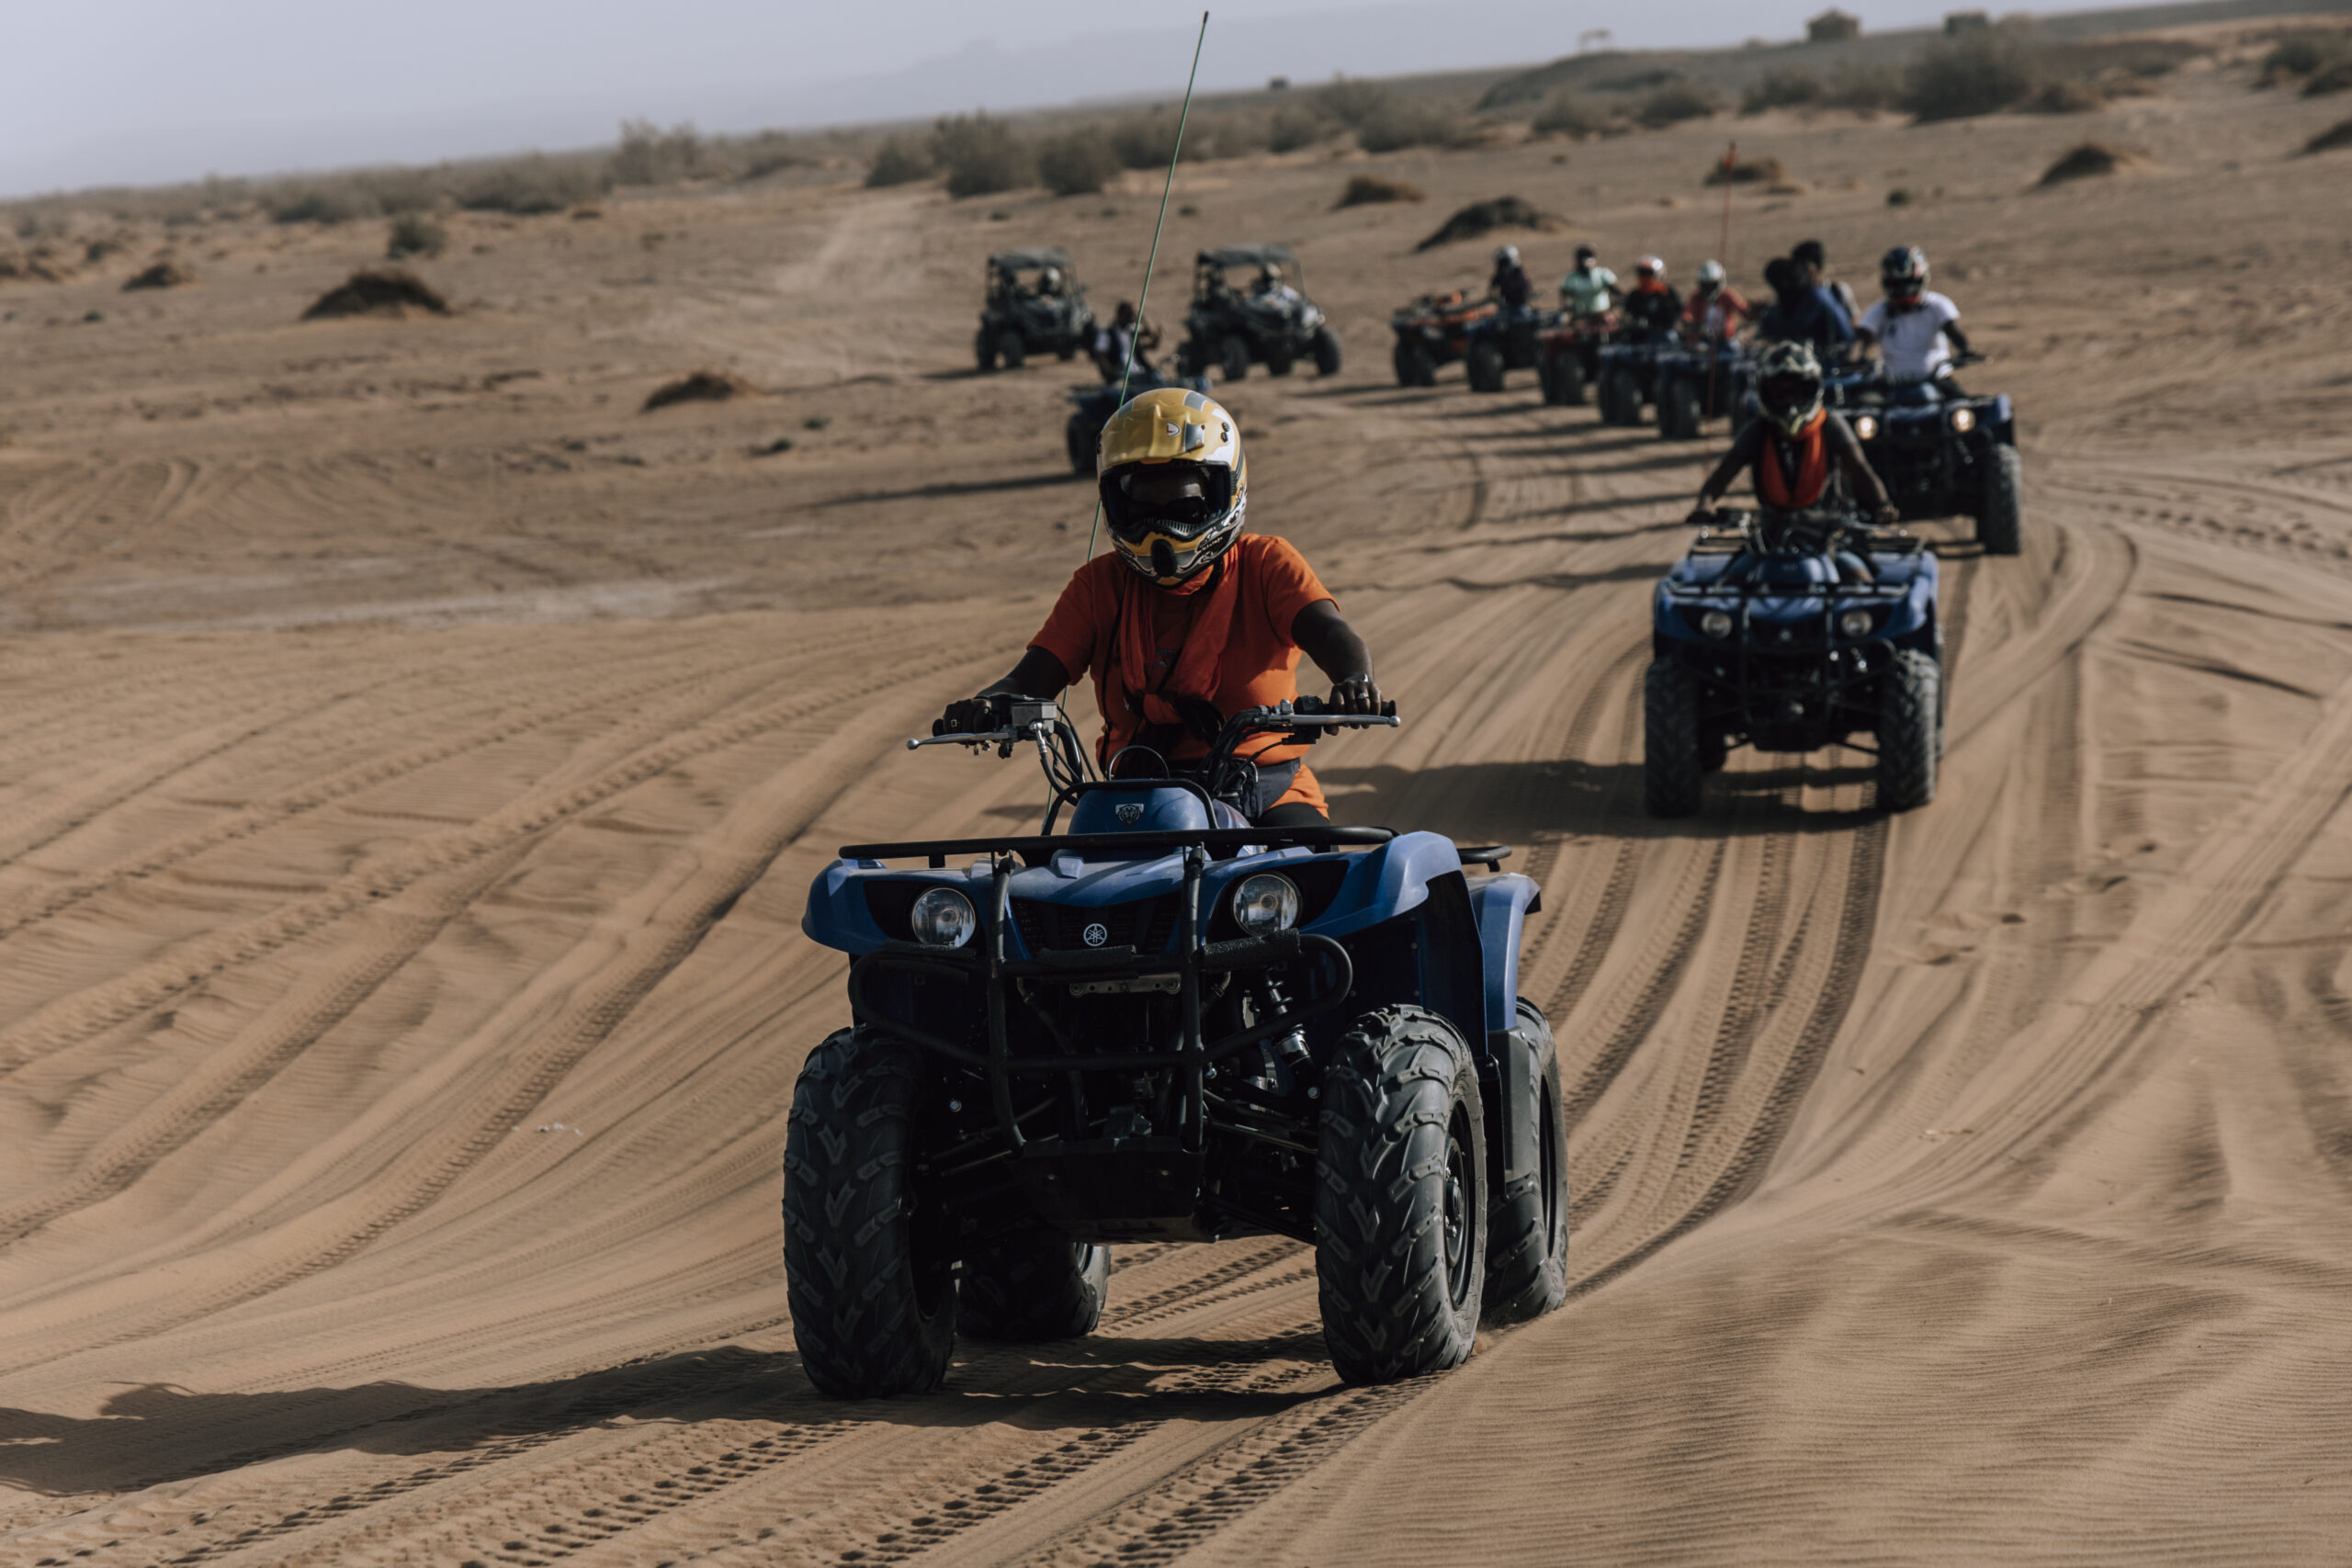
[[1265, 904], [1963, 419], [943, 918], [1866, 428], [1855, 624], [1716, 623]]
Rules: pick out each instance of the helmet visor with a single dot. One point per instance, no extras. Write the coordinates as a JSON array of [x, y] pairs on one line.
[[1177, 500], [1903, 286], [1786, 394]]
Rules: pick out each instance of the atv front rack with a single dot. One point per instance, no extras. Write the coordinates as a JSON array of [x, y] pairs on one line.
[[1040, 849], [1191, 961]]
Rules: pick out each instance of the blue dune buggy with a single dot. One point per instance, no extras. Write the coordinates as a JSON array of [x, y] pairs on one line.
[[1095, 405], [1164, 1025], [1793, 632]]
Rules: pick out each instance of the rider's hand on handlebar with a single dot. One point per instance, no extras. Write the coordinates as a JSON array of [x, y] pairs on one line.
[[970, 716], [1357, 693], [1887, 515], [1701, 515]]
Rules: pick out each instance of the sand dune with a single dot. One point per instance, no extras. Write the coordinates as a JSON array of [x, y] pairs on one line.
[[416, 757]]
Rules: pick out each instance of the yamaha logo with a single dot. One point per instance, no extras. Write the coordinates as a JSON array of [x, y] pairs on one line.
[[1096, 935], [1130, 813]]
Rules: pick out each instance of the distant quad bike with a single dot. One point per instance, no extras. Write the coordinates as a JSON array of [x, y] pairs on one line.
[[1568, 355], [1227, 329], [1508, 340], [1754, 638], [1095, 405], [1018, 321], [1163, 1024], [1432, 332], [1628, 379], [1697, 383], [1940, 454]]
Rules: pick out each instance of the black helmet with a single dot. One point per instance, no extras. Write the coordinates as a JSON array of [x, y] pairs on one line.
[[1587, 254], [1903, 271]]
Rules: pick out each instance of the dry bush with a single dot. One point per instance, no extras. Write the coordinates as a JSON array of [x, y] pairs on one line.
[[2335, 136], [1075, 162], [388, 292], [1485, 217], [1976, 73], [2066, 98], [649, 155], [1385, 120], [2304, 54], [1785, 87], [701, 387], [1364, 190], [980, 155], [1567, 115], [2329, 79], [1291, 129], [1676, 102], [344, 202], [1227, 136], [415, 234], [1748, 172], [2088, 161], [165, 273], [1862, 88], [1144, 140], [901, 160]]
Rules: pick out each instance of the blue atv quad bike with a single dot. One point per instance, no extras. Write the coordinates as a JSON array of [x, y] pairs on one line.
[[1697, 383], [1941, 452], [1791, 633], [1628, 379], [1163, 1024], [1095, 407], [1510, 339]]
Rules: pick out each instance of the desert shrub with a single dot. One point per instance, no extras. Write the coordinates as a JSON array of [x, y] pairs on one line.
[[1747, 172], [341, 203], [1225, 136], [2329, 79], [1674, 103], [980, 155], [2335, 136], [1640, 81], [1292, 129], [1144, 140], [759, 156], [1567, 115], [701, 387], [2304, 55], [1365, 189], [1865, 89], [1484, 216], [1353, 103], [526, 185], [901, 160], [1974, 73], [415, 234], [649, 155], [390, 292], [2065, 98], [2088, 161], [1787, 86], [1404, 123], [1075, 162]]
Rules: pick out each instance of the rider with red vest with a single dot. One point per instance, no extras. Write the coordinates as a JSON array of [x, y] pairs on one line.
[[1799, 448]]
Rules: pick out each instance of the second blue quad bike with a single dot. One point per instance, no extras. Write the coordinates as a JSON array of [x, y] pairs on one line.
[[1510, 339], [1697, 383], [1095, 405], [1789, 632], [1941, 452], [1163, 1024]]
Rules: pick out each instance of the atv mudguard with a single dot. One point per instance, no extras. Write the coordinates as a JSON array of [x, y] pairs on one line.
[[1502, 904]]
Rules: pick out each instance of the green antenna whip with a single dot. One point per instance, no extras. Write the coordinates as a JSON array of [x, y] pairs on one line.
[[1135, 335]]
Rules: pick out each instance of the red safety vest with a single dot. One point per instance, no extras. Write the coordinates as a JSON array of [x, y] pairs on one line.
[[1773, 487]]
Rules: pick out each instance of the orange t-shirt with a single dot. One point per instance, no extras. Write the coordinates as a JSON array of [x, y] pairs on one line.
[[1261, 663]]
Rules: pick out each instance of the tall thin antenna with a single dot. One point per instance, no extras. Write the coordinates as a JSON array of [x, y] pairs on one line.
[[1714, 357], [1134, 333]]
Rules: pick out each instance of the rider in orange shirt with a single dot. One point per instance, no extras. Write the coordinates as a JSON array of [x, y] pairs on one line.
[[1188, 619]]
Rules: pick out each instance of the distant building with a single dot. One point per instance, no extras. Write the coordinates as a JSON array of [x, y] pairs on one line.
[[1278, 83], [1959, 22], [1831, 26]]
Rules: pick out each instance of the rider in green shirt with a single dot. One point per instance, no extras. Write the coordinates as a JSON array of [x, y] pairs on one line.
[[1585, 292]]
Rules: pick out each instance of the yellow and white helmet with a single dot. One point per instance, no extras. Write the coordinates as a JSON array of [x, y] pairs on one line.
[[1173, 483]]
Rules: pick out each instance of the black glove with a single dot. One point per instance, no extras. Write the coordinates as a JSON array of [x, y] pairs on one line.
[[1701, 516], [970, 716]]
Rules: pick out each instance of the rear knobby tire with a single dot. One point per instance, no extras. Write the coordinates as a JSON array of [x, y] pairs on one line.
[[1527, 1235], [1567, 379], [1678, 416], [1233, 358], [2000, 516], [984, 349], [873, 1299], [1080, 438], [1909, 698], [1032, 1286], [1327, 351], [1483, 367], [1672, 768], [1400, 1211], [1279, 361]]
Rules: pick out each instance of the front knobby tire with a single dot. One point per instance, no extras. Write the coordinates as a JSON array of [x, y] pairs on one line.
[[1568, 380], [2000, 516], [1909, 699], [1680, 417], [1033, 1287], [1400, 1210], [1233, 358], [1485, 368], [873, 1296], [1327, 351], [1527, 1229], [1673, 768]]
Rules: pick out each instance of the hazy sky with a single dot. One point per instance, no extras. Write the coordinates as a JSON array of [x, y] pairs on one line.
[[154, 90]]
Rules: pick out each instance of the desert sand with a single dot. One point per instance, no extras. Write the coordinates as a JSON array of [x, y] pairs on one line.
[[415, 757]]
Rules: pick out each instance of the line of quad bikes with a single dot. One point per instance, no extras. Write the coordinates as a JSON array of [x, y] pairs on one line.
[[1162, 1024]]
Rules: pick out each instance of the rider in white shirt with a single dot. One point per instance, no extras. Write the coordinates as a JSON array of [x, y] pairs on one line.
[[1916, 330]]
